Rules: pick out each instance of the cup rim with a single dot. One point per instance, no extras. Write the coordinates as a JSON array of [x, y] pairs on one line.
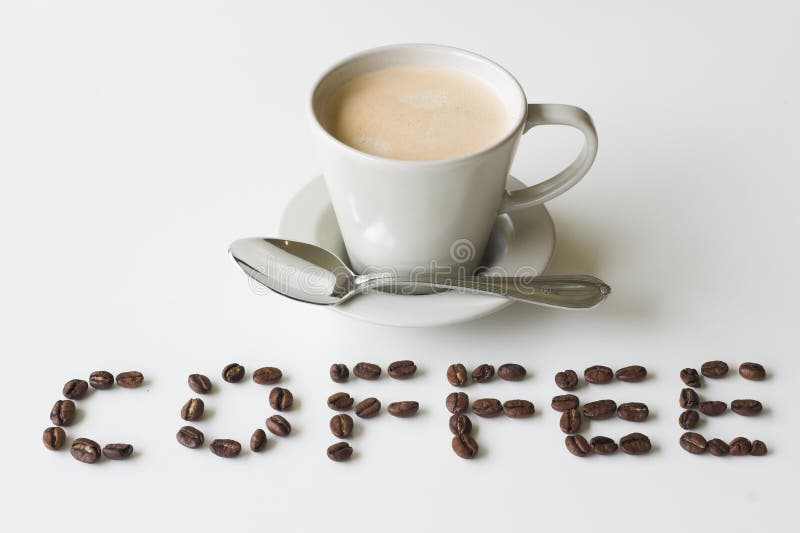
[[522, 113]]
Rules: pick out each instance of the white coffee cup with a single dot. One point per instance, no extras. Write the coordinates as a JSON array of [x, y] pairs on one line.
[[414, 217]]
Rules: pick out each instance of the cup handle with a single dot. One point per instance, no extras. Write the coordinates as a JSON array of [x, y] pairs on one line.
[[555, 114]]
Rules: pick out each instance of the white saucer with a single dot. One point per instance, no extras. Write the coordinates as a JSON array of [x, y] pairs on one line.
[[520, 242]]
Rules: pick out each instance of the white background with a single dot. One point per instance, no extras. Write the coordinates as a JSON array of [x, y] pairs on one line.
[[138, 139]]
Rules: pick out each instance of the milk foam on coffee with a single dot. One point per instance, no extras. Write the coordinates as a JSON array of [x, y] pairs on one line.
[[415, 112]]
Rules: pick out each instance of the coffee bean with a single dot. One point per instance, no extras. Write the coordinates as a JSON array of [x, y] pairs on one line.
[[688, 399], [718, 447], [746, 407], [740, 446], [367, 371], [341, 426], [567, 379], [101, 380], [518, 408], [53, 438], [464, 446], [457, 375], [457, 402], [130, 380], [85, 450], [75, 389], [226, 448], [281, 399], [402, 369], [752, 371], [693, 443], [690, 377], [340, 401], [487, 407], [564, 402], [233, 373], [483, 373], [403, 409], [631, 374], [635, 444], [570, 421], [117, 451], [600, 409], [63, 413], [199, 383], [759, 448], [460, 424], [368, 408], [339, 372], [598, 375], [633, 411], [193, 409], [512, 372], [688, 419], [714, 369], [603, 445], [267, 375], [713, 408], [341, 451], [279, 426], [577, 445], [190, 437], [258, 440]]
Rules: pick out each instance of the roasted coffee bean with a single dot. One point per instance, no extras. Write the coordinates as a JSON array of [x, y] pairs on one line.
[[759, 448], [635, 444], [570, 421], [117, 451], [63, 413], [465, 446], [341, 451], [631, 374], [281, 399], [718, 447], [402, 369], [512, 372], [740, 446], [193, 409], [689, 399], [279, 426], [340, 401], [518, 408], [341, 426], [600, 409], [226, 448], [403, 409], [567, 379], [483, 373], [752, 371], [714, 369], [746, 407], [693, 443], [199, 383], [713, 408], [457, 402], [598, 375], [564, 402], [53, 438], [688, 419], [690, 377], [233, 373], [339, 372], [368, 408], [130, 380], [457, 375], [101, 380], [85, 450], [633, 411], [603, 445], [460, 424], [258, 440], [487, 407], [577, 445], [75, 389], [267, 375], [190, 437], [367, 371]]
